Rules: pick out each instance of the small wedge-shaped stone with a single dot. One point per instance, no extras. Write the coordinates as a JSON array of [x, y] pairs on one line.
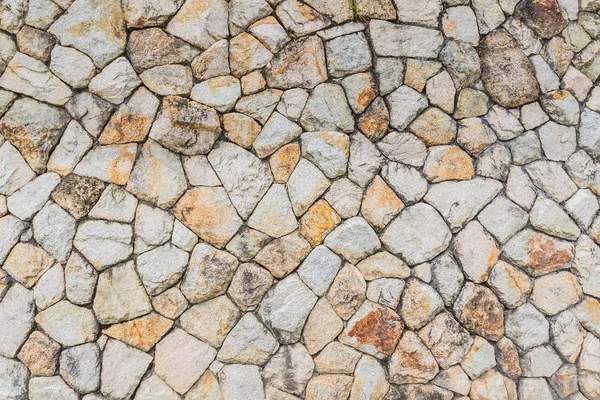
[[299, 64], [94, 27], [327, 150], [507, 73], [132, 121], [208, 274], [54, 229], [161, 268], [538, 253], [249, 342], [412, 362], [306, 184], [117, 81], [68, 324], [447, 339], [274, 215], [200, 22], [186, 127], [14, 172], [31, 77], [157, 176], [587, 262], [245, 177], [18, 307], [373, 329], [120, 295], [209, 213], [476, 251], [278, 131], [143, 332], [549, 217], [420, 303], [34, 128]]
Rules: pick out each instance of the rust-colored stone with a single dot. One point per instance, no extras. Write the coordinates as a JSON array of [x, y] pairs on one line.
[[545, 17], [380, 204], [318, 221], [374, 329], [143, 332], [448, 163], [479, 311], [375, 120], [40, 354], [283, 162], [543, 255]]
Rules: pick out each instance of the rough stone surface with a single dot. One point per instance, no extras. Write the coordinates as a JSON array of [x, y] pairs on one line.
[[299, 199]]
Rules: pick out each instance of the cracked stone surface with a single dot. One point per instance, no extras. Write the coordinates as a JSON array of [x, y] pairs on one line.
[[299, 199]]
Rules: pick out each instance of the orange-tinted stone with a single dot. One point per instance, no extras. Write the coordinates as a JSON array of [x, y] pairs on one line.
[[284, 161], [143, 332], [318, 221]]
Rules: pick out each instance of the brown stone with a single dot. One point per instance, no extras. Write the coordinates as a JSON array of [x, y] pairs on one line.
[[209, 213], [375, 120], [283, 162], [538, 253], [507, 73], [143, 332], [301, 63], [448, 163], [381, 204], [40, 354], [78, 194], [284, 254], [434, 127], [545, 17], [148, 48], [508, 358], [35, 43], [412, 362], [241, 129], [479, 310], [374, 330], [318, 221], [376, 9]]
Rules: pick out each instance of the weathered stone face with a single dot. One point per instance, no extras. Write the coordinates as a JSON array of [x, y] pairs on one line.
[[506, 72], [299, 199]]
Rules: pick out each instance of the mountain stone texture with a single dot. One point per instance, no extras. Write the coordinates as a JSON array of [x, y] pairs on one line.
[[299, 199]]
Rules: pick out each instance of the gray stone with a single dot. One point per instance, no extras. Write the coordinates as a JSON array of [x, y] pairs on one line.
[[503, 218], [588, 265], [276, 132], [52, 388], [403, 147], [319, 269], [54, 229], [122, 369], [404, 40], [527, 327], [116, 81], [104, 243], [365, 160], [589, 134], [462, 62], [72, 66], [249, 342], [274, 215], [80, 367], [306, 184], [327, 110], [552, 179], [240, 381], [354, 240], [31, 198], [200, 24], [68, 324], [13, 379], [447, 278], [31, 77], [92, 111], [347, 55], [161, 268], [18, 307], [98, 31], [549, 217], [417, 224], [80, 280], [73, 145], [405, 104], [221, 92], [285, 308], [526, 148], [14, 170], [289, 369], [245, 177]]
